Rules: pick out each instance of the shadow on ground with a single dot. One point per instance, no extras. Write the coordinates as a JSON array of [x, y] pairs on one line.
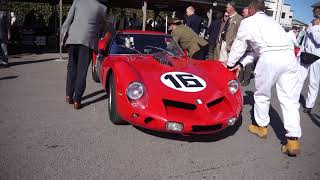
[[275, 120], [101, 98], [8, 77], [30, 62]]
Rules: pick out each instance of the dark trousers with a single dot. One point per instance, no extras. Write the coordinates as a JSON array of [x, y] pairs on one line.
[[79, 60], [202, 53], [245, 73]]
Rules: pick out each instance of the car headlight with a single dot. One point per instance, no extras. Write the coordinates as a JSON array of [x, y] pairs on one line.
[[135, 90], [233, 86]]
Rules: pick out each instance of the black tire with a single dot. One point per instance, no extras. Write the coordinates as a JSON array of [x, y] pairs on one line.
[[112, 104], [95, 77]]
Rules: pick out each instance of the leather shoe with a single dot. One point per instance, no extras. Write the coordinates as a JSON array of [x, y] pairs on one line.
[[77, 105], [307, 110], [69, 100]]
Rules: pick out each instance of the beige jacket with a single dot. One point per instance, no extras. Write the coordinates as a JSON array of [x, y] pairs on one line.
[[230, 35], [188, 39]]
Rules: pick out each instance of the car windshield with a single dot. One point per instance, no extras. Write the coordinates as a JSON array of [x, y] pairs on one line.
[[144, 44]]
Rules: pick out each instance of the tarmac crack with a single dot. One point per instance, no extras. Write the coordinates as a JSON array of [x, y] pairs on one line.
[[236, 163]]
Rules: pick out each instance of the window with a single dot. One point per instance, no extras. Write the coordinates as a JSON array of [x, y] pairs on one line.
[[290, 17], [269, 12], [283, 15]]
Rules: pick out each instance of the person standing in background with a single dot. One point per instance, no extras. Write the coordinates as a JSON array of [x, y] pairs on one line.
[[82, 30], [311, 52], [228, 32], [292, 34], [193, 21], [245, 73], [213, 32], [4, 38]]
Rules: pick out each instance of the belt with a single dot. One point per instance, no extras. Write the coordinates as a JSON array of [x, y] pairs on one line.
[[275, 48]]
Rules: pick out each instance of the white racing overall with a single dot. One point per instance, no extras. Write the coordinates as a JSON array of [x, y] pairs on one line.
[[311, 45], [276, 65]]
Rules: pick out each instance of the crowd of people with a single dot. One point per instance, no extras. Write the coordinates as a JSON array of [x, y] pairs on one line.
[[251, 42]]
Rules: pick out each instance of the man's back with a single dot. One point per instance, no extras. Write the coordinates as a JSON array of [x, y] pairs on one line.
[[264, 32], [194, 22], [4, 25], [85, 19]]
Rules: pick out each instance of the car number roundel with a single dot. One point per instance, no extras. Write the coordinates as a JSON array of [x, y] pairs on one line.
[[183, 81]]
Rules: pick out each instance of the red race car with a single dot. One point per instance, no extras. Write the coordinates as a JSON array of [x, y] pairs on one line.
[[151, 83]]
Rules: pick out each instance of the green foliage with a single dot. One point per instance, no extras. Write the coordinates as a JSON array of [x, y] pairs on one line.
[[22, 8]]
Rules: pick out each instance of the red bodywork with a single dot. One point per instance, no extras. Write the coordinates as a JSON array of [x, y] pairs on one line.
[[160, 103]]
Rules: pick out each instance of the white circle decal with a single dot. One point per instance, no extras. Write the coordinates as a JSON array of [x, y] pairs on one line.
[[183, 81]]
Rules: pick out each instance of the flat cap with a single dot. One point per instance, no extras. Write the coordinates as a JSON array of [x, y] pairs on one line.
[[316, 5], [174, 20]]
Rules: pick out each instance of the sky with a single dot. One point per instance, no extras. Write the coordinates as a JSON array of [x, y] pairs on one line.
[[301, 9]]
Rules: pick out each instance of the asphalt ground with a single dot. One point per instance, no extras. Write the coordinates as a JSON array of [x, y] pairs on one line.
[[42, 137]]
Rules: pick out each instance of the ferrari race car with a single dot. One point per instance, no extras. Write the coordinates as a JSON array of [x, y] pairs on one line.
[[152, 84]]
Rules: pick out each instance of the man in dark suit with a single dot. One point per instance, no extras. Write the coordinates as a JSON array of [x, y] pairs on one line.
[[193, 21], [4, 37], [81, 29], [213, 32]]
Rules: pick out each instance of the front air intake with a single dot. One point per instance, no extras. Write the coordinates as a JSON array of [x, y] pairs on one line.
[[179, 104]]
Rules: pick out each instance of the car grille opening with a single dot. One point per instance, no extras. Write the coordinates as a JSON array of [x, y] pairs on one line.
[[148, 119], [206, 128], [179, 104], [215, 102]]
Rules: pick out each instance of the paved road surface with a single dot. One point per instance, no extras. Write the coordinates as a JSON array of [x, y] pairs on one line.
[[41, 137]]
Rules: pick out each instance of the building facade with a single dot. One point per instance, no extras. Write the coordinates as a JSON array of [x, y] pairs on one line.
[[281, 12]]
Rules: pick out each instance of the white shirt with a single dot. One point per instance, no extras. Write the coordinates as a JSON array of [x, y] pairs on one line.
[[312, 40], [291, 35], [262, 33]]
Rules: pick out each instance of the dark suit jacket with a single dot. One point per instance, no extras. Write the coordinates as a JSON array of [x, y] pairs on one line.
[[4, 26], [213, 31], [194, 22]]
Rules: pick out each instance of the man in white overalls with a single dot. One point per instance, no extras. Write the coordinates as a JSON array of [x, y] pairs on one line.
[[311, 45], [276, 65]]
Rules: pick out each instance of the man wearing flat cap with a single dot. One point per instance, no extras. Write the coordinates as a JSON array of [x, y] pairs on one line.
[[228, 32], [196, 46], [310, 59]]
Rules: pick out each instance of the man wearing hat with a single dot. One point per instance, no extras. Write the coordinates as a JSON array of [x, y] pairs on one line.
[[309, 59], [196, 46], [228, 32]]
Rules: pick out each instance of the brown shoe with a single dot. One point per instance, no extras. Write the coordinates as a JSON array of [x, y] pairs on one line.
[[69, 100], [77, 105], [262, 132], [292, 148]]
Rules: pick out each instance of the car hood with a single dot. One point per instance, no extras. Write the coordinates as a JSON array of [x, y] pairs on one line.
[[162, 81]]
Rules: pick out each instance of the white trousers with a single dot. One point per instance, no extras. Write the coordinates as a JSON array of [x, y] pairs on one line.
[[314, 81], [280, 68]]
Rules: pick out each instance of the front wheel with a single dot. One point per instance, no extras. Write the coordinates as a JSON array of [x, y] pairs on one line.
[[95, 77], [112, 104]]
